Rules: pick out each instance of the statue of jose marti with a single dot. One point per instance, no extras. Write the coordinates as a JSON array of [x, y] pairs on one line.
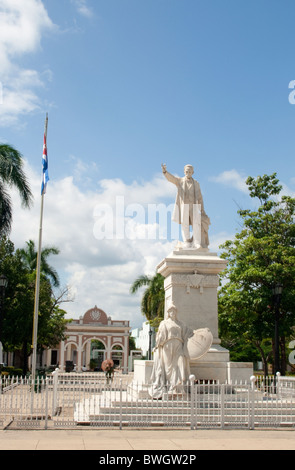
[[189, 209], [176, 343]]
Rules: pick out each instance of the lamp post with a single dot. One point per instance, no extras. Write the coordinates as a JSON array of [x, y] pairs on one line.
[[277, 293], [150, 342], [3, 285]]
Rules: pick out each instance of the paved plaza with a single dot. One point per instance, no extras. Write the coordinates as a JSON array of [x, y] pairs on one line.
[[139, 439]]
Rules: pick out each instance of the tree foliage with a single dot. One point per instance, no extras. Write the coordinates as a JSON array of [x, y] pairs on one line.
[[261, 256], [11, 175], [153, 299], [29, 258], [18, 309]]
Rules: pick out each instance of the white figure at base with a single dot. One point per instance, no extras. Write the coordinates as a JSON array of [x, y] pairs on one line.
[[171, 369], [189, 209]]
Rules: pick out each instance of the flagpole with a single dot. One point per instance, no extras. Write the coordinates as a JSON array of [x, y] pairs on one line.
[[37, 285]]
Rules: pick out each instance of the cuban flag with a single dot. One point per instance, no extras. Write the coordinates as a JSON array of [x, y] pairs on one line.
[[45, 176]]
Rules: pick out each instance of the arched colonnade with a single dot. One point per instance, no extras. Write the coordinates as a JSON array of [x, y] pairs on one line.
[[94, 325]]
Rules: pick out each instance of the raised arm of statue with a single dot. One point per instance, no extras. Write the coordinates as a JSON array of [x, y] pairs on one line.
[[173, 179]]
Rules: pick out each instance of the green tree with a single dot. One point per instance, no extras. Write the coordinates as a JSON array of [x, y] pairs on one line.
[[11, 174], [19, 306], [132, 345], [29, 258], [261, 256], [18, 319], [153, 299], [11, 267]]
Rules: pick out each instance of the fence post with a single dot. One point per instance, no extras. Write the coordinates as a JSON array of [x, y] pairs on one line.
[[252, 402], [278, 384], [46, 402], [222, 404], [120, 404], [193, 408], [54, 395]]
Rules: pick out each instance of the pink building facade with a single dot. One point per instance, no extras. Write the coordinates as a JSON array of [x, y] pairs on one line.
[[93, 325]]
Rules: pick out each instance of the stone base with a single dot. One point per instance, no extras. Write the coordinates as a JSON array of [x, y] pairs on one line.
[[142, 371], [239, 371], [191, 280], [191, 283], [214, 366], [138, 388]]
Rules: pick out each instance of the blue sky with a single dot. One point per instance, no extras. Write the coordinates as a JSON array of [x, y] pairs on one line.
[[129, 84]]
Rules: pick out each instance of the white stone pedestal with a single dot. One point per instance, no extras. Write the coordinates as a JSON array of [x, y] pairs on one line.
[[138, 388], [191, 282]]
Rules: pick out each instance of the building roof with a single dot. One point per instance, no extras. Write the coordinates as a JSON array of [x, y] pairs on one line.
[[97, 317]]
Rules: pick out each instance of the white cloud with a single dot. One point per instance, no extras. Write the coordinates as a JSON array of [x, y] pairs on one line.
[[83, 171], [231, 178], [22, 24], [83, 8], [287, 191], [98, 271], [218, 239]]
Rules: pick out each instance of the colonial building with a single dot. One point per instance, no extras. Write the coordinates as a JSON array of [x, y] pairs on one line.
[[113, 337], [144, 338]]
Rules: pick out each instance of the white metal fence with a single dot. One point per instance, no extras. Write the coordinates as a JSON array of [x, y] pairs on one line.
[[67, 400]]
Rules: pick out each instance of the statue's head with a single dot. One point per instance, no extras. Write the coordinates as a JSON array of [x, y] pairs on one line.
[[172, 311], [188, 170]]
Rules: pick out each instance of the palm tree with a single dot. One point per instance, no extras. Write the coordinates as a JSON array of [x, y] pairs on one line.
[[29, 257], [11, 174], [153, 299]]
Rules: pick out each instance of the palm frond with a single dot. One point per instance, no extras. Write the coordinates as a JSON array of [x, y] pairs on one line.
[[140, 282], [5, 211], [12, 173]]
